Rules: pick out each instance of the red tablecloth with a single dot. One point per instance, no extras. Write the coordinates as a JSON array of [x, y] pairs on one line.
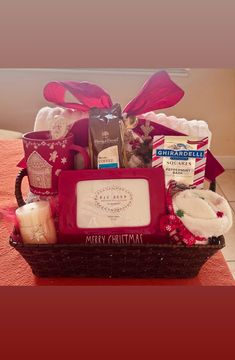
[[15, 271]]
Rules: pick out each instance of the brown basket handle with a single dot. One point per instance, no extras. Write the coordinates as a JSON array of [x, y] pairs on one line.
[[18, 182]]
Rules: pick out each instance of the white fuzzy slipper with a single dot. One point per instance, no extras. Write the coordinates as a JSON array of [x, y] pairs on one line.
[[203, 212]]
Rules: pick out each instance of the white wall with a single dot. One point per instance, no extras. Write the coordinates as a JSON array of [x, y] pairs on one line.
[[210, 95]]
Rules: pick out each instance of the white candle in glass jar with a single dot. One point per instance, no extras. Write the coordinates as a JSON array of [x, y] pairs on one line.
[[36, 223]]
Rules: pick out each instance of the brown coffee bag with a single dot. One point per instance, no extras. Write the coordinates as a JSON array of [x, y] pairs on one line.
[[105, 138]]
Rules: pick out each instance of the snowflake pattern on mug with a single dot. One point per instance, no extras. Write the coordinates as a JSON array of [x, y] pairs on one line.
[[57, 172], [53, 156]]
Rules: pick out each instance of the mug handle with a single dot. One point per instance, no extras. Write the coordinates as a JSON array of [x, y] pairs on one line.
[[18, 193], [84, 154]]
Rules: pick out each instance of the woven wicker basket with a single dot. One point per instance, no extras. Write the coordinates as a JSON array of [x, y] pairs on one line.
[[114, 261]]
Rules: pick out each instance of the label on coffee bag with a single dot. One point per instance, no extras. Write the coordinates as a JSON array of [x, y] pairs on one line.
[[108, 158]]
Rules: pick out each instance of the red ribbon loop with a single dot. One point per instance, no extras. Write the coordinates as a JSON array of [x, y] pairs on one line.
[[88, 95]]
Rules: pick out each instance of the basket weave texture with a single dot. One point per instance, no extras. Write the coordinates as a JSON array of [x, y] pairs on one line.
[[116, 261]]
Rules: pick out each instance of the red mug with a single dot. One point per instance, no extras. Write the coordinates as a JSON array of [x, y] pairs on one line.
[[46, 158]]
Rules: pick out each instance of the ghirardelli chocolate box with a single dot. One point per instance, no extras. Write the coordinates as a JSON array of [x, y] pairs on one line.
[[105, 138]]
